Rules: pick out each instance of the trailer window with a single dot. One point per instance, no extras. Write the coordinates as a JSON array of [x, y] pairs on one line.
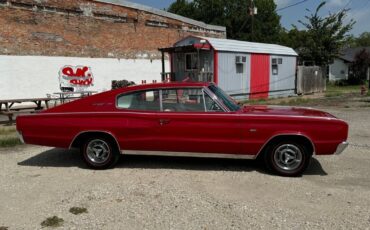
[[239, 68], [275, 66]]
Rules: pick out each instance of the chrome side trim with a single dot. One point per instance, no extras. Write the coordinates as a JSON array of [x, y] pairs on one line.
[[182, 113], [94, 131], [187, 154], [341, 147], [287, 134]]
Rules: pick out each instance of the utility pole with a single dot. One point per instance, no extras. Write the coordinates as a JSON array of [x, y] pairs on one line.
[[252, 12]]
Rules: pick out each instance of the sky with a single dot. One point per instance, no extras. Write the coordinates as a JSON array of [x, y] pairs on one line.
[[359, 11]]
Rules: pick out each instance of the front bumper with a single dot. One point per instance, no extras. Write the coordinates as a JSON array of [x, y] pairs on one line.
[[341, 147]]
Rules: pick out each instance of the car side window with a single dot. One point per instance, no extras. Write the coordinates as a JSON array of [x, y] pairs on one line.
[[143, 100], [183, 100], [211, 105]]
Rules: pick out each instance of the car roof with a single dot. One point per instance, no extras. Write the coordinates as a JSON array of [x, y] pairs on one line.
[[166, 85]]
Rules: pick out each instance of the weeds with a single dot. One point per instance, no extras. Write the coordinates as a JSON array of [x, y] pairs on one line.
[[78, 210], [9, 141], [7, 130], [256, 102], [8, 137], [334, 94], [53, 222], [296, 101]]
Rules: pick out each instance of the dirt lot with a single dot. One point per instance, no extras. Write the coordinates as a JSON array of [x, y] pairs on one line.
[[185, 193]]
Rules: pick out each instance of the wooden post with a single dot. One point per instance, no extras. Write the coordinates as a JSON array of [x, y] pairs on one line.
[[198, 65], [163, 67]]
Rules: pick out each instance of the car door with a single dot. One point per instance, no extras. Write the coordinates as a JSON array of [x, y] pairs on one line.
[[187, 126], [138, 129]]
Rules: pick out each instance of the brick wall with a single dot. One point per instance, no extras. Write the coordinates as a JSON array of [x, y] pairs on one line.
[[85, 28]]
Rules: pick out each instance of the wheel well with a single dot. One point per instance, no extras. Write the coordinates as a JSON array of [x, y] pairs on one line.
[[297, 138], [80, 138]]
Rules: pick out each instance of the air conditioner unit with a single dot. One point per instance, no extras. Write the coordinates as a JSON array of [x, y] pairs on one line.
[[240, 59]]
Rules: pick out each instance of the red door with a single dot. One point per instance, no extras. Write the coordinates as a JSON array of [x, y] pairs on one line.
[[260, 76], [207, 132]]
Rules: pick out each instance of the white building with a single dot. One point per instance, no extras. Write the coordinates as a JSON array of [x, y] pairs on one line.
[[341, 67]]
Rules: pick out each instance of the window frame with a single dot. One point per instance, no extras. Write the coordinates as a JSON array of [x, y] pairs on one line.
[[204, 91], [135, 92], [191, 57]]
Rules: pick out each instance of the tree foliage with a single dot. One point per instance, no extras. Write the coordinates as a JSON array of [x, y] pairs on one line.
[[320, 40], [360, 66], [182, 7], [235, 16], [326, 35], [363, 40]]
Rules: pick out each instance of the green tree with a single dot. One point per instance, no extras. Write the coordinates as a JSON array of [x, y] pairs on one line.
[[236, 16], [363, 40], [299, 40], [325, 35], [182, 7], [360, 67]]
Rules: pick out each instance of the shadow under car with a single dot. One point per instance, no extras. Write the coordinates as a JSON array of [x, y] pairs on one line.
[[72, 158]]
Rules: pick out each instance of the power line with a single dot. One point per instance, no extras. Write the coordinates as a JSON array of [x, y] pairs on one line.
[[297, 3], [350, 1]]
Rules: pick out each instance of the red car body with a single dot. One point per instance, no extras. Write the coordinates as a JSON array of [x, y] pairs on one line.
[[243, 133]]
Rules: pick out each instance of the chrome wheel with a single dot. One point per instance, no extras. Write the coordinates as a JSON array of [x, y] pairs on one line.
[[98, 151], [288, 157]]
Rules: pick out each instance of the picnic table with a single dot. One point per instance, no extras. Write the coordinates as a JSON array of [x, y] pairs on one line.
[[63, 96], [6, 106]]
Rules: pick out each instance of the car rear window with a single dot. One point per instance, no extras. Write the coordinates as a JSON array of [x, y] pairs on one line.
[[143, 100]]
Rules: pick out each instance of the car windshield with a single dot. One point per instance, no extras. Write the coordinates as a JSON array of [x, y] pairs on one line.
[[225, 98]]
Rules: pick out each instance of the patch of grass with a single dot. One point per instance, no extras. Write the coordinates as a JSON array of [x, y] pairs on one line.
[[8, 137], [334, 94], [343, 89], [336, 91], [53, 222], [7, 130], [256, 102], [78, 210], [9, 141], [296, 101]]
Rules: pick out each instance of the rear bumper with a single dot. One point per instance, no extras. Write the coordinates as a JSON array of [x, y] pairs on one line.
[[341, 147]]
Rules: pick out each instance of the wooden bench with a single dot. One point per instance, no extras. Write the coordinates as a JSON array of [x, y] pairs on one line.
[[11, 113], [7, 109]]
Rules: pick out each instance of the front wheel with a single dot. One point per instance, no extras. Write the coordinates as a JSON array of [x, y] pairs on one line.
[[288, 158], [100, 152]]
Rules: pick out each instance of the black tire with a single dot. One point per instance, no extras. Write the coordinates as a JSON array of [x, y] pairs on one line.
[[100, 152], [287, 158]]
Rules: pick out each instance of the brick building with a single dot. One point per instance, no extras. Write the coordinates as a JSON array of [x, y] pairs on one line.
[[116, 39], [87, 28]]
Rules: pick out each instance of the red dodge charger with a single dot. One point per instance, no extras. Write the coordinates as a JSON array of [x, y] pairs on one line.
[[185, 119]]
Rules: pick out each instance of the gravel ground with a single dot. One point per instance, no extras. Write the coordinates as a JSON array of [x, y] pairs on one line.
[[187, 193]]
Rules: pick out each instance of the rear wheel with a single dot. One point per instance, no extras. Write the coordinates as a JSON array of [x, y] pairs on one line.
[[100, 152], [288, 158]]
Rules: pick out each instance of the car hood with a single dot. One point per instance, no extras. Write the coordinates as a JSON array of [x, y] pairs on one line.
[[284, 111]]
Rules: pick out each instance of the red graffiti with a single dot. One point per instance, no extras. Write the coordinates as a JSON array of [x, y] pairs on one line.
[[79, 76], [81, 82], [80, 72]]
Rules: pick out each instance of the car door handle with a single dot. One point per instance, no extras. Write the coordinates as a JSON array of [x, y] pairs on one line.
[[164, 121]]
